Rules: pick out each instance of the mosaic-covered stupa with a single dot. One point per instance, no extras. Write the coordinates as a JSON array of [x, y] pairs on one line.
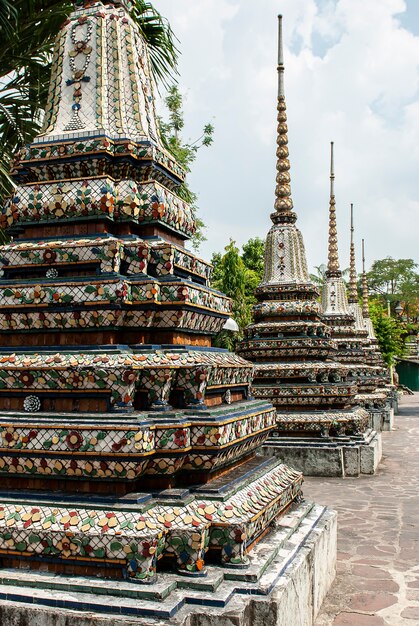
[[127, 442], [346, 323], [294, 355]]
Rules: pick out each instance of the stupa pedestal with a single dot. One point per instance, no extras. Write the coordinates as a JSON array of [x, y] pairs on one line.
[[130, 479]]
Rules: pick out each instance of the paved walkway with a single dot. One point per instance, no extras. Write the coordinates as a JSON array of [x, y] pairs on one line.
[[377, 581]]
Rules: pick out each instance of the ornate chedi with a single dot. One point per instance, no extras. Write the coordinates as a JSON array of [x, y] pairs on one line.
[[110, 391], [291, 346], [346, 326]]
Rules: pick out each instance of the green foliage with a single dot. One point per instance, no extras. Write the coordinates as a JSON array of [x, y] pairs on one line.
[[389, 332], [253, 255], [8, 16], [253, 259], [237, 275], [159, 36], [396, 280], [217, 269], [28, 29], [184, 153]]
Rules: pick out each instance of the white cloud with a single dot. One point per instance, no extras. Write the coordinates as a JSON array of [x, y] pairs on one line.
[[352, 76]]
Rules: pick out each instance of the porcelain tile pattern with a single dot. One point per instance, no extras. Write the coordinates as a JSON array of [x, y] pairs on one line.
[[127, 443]]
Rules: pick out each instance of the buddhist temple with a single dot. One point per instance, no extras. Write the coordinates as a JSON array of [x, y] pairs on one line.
[[296, 368], [128, 443], [346, 325]]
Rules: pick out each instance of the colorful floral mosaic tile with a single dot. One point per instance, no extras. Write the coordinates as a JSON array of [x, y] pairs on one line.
[[136, 540]]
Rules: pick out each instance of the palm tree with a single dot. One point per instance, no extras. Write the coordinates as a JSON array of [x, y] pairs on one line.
[[319, 278], [28, 29]]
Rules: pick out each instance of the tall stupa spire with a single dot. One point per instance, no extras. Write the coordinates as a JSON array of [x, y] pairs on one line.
[[285, 257], [289, 340], [333, 295], [283, 200], [333, 268], [353, 291], [365, 310], [353, 303]]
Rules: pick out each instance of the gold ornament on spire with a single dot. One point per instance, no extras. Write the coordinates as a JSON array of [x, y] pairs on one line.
[[353, 291], [333, 268], [283, 200], [365, 309]]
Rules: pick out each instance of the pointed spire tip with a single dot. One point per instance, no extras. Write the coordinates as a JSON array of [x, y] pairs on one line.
[[280, 59]]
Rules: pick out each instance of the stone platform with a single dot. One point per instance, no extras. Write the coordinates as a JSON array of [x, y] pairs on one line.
[[332, 456], [284, 583]]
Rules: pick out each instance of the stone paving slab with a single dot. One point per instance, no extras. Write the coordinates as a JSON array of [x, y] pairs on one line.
[[377, 582]]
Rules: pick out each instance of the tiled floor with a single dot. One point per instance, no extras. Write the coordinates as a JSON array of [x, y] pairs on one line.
[[377, 582]]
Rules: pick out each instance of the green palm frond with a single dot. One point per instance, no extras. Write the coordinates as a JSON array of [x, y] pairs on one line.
[[157, 32], [8, 16]]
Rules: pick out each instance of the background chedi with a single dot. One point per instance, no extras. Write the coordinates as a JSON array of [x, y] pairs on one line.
[[292, 348], [344, 318]]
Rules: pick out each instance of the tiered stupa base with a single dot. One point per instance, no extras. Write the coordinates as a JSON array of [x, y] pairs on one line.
[[277, 580], [137, 536]]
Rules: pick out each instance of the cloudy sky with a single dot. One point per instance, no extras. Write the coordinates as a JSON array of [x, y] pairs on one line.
[[352, 76]]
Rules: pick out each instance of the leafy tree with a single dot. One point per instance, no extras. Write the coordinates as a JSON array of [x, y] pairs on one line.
[[28, 29], [185, 153], [389, 332], [237, 275], [253, 255], [253, 258], [8, 16], [217, 269], [231, 272], [396, 280]]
